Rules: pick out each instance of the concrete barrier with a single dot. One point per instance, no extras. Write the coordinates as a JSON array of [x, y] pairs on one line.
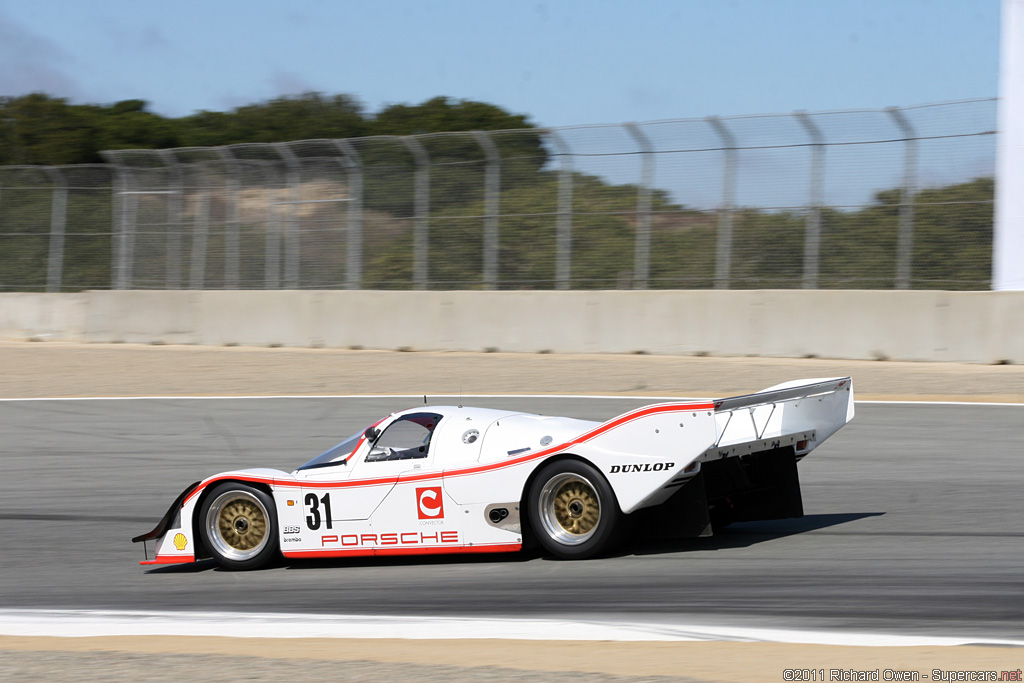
[[973, 327], [55, 317]]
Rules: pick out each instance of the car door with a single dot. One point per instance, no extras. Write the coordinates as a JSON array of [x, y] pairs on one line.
[[339, 500], [402, 445], [416, 515], [331, 490]]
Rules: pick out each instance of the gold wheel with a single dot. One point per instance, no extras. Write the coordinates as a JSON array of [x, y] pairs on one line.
[[576, 507], [570, 508], [242, 524], [237, 526]]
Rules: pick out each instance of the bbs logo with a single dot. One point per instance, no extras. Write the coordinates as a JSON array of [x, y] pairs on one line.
[[429, 504]]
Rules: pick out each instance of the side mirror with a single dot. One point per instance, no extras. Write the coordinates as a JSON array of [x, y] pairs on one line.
[[371, 434]]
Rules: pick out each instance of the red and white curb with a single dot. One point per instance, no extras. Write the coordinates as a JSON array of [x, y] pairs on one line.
[[86, 623]]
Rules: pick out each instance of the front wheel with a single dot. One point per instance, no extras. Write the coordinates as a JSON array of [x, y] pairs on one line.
[[239, 526], [573, 510]]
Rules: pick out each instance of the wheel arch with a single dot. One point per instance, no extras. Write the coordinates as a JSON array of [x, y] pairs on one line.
[[558, 458], [197, 523], [534, 536]]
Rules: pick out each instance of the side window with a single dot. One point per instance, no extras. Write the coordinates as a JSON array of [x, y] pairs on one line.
[[404, 439]]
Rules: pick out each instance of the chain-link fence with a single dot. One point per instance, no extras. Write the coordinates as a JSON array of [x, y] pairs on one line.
[[894, 198], [55, 227]]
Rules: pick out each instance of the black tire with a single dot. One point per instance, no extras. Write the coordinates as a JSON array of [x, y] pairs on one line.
[[572, 510], [238, 525]]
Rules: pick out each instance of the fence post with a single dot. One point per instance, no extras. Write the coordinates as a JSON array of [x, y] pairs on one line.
[[421, 225], [354, 215], [1, 202], [492, 199], [232, 239], [58, 219], [131, 216], [642, 254], [292, 242], [172, 260], [272, 257], [723, 257], [905, 236], [812, 238], [122, 247], [563, 237], [200, 237], [119, 216]]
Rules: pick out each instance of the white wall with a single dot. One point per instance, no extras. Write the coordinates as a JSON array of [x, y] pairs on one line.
[[974, 327]]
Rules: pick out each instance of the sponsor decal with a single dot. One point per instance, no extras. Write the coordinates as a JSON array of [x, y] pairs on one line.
[[291, 530], [180, 542], [292, 539], [429, 503], [646, 467], [386, 539]]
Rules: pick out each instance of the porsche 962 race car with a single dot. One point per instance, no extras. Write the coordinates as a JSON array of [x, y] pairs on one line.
[[454, 479]]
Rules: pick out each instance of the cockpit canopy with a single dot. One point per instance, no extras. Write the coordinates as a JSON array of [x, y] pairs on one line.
[[407, 437]]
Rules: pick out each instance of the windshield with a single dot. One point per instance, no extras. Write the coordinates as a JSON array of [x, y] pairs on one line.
[[335, 455]]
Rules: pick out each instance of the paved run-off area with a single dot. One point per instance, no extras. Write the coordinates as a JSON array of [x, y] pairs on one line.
[[55, 369]]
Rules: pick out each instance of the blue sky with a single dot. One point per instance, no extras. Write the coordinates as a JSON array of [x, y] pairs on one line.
[[560, 63]]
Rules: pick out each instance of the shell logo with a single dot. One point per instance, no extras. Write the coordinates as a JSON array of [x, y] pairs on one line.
[[180, 542]]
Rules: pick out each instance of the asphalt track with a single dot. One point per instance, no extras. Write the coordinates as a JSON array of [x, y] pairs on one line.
[[914, 525]]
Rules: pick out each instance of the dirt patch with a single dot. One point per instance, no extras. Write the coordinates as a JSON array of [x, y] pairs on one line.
[[54, 369], [453, 660]]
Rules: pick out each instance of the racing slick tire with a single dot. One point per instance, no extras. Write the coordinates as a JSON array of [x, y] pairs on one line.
[[238, 525], [572, 510]]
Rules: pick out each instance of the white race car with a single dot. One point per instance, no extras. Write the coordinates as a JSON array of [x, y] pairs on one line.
[[452, 479]]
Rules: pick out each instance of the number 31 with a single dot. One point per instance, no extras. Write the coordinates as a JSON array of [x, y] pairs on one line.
[[313, 518]]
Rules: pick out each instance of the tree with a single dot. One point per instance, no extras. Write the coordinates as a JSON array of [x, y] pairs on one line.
[[43, 130], [303, 117]]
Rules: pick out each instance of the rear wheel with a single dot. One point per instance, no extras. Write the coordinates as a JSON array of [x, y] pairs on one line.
[[239, 526], [573, 511]]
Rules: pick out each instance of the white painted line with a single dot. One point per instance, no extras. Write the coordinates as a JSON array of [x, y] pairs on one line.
[[470, 396], [351, 396], [940, 403], [85, 623]]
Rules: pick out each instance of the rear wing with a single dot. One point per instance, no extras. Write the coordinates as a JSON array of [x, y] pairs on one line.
[[650, 452], [802, 414]]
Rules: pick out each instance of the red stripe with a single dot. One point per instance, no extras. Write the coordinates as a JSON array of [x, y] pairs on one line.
[[170, 559], [608, 426], [237, 477], [441, 550], [306, 554], [425, 550], [597, 431]]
